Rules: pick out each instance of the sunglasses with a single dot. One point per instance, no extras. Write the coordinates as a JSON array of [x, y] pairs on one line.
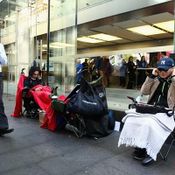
[[165, 70], [35, 74]]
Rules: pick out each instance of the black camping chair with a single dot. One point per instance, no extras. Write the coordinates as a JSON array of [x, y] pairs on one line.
[[165, 152], [31, 108]]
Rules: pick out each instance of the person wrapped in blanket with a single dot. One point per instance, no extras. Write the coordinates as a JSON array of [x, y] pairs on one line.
[[31, 81], [34, 78], [148, 132]]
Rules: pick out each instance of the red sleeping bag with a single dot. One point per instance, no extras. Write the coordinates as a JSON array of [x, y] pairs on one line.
[[50, 117], [18, 106], [41, 95]]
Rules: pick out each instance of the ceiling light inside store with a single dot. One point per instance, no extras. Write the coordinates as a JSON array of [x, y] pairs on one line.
[[61, 44], [58, 45], [168, 25], [89, 40], [146, 30], [105, 37], [44, 47]]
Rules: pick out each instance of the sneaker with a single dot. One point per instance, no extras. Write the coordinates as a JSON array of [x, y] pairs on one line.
[[139, 154], [5, 131], [147, 160]]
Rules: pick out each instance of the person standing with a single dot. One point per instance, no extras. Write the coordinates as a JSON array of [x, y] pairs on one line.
[[93, 71], [142, 64], [131, 73], [79, 73], [85, 70], [123, 72], [4, 126]]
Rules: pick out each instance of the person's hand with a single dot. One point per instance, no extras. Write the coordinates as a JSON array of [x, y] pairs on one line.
[[38, 89], [173, 72], [155, 72]]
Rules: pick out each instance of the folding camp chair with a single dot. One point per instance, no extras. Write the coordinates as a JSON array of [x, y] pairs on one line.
[[164, 153]]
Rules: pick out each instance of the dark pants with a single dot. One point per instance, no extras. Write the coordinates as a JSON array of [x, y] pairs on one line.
[[122, 81], [131, 81], [3, 117]]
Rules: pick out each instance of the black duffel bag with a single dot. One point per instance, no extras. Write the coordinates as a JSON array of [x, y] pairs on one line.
[[88, 100]]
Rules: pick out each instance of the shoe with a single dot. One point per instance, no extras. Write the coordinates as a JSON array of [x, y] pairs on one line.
[[136, 150], [147, 161], [27, 114], [5, 131], [139, 154]]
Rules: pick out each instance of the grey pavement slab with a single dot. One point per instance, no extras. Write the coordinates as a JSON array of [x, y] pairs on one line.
[[31, 150]]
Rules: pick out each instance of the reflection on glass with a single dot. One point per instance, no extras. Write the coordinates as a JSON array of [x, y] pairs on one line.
[[122, 71], [62, 44]]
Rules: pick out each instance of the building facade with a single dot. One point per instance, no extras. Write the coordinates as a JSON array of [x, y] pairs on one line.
[[55, 33]]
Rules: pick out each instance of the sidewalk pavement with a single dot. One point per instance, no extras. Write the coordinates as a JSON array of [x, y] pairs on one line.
[[31, 150]]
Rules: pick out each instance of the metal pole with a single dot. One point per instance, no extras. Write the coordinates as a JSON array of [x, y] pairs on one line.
[[48, 41], [76, 21], [174, 29], [41, 51]]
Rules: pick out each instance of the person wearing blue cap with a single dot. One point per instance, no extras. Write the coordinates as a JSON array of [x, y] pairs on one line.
[[143, 131], [161, 77]]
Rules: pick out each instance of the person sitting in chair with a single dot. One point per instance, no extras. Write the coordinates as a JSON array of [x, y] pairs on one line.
[[148, 132], [30, 82], [34, 78]]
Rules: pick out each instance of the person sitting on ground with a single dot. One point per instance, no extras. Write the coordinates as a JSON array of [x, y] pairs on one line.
[[148, 132]]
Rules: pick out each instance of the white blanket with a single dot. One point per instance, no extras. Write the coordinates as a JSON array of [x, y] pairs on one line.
[[146, 131]]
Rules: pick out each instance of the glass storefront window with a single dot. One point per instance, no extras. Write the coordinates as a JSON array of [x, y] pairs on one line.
[[9, 14], [25, 37], [63, 25]]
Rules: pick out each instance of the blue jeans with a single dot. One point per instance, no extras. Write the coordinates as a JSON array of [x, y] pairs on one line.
[[3, 117]]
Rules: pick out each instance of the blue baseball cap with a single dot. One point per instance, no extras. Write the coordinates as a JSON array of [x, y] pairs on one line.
[[165, 63]]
